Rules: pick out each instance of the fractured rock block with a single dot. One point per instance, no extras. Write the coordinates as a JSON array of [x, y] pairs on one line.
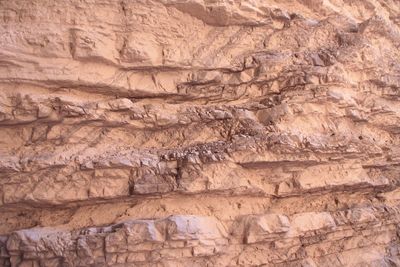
[[311, 221], [93, 45], [259, 228], [141, 50], [40, 242], [110, 182], [128, 235], [143, 231], [187, 227], [330, 177]]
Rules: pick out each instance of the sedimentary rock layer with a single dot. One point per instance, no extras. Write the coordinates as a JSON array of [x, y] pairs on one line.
[[197, 132]]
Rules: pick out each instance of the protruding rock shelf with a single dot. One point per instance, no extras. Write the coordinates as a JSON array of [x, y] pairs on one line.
[[186, 239]]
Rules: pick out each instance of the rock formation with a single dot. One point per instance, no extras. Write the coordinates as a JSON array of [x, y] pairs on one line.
[[199, 133]]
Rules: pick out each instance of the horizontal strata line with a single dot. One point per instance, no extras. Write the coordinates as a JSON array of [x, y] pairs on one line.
[[180, 181], [227, 193], [126, 92], [29, 205], [200, 205], [96, 123], [245, 230]]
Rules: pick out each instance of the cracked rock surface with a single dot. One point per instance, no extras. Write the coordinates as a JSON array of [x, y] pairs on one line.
[[199, 133]]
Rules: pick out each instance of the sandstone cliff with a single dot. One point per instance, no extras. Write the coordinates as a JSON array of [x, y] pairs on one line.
[[199, 133]]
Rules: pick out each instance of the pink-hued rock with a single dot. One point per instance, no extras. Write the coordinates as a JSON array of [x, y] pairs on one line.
[[199, 133]]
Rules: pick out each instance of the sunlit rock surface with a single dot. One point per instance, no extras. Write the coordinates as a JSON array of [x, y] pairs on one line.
[[199, 133]]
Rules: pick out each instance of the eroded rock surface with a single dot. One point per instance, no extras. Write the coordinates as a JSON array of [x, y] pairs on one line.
[[199, 133]]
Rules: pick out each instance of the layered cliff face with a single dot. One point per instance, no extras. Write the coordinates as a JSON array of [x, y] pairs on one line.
[[200, 133]]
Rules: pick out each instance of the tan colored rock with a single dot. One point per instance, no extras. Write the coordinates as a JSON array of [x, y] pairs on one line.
[[199, 133], [260, 227], [311, 221], [192, 227]]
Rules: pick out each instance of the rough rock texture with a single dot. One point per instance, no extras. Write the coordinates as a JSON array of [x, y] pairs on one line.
[[199, 133]]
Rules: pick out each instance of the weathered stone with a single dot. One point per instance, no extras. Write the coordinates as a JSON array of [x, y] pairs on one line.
[[311, 221], [260, 227], [199, 133], [143, 231], [194, 227]]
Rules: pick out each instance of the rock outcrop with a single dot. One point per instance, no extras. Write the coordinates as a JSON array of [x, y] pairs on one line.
[[200, 133]]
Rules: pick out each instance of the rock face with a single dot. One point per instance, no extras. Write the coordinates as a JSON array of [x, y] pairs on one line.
[[199, 133]]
